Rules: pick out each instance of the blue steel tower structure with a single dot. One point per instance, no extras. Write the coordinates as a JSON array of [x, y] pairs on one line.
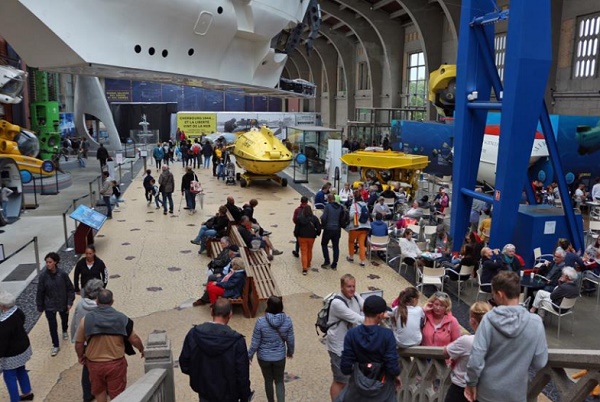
[[521, 101]]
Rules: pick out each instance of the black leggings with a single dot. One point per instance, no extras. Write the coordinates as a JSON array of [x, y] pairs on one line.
[[455, 394]]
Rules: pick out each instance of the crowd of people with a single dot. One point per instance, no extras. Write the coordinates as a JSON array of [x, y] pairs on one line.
[[363, 336], [508, 341]]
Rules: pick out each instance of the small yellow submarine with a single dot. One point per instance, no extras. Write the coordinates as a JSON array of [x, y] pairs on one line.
[[261, 155], [387, 166], [22, 146]]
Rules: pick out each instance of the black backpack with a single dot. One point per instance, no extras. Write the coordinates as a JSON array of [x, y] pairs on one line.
[[344, 218], [323, 314]]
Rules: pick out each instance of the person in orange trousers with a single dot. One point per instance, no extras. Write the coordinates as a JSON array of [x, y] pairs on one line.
[[307, 229], [357, 231]]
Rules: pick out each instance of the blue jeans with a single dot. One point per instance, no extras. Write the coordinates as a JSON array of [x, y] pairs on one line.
[[53, 324], [115, 200], [190, 199], [14, 376], [167, 197], [106, 199], [203, 234], [157, 200], [4, 206], [334, 236], [206, 162]]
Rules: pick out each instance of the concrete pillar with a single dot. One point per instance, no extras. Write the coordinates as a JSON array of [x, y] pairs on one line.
[[158, 354]]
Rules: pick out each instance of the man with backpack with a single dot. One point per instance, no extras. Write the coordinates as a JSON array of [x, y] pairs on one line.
[[344, 313], [370, 357], [358, 229], [331, 222]]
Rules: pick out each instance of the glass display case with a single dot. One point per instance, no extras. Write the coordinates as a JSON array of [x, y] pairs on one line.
[[309, 147]]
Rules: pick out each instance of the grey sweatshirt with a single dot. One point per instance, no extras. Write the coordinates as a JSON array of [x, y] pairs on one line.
[[507, 343]]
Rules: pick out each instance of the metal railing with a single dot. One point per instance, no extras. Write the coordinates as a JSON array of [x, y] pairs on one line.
[[426, 376], [36, 251]]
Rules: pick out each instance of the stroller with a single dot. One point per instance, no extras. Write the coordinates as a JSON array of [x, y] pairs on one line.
[[230, 174]]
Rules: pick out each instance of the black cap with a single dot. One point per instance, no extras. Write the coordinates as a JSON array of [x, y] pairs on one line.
[[374, 305], [234, 248]]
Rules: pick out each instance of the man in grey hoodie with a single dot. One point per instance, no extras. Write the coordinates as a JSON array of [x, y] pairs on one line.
[[508, 342]]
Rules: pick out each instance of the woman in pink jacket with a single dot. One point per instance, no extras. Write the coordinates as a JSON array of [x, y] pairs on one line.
[[441, 327]]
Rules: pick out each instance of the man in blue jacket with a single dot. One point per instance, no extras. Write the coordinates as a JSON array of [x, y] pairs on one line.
[[216, 358], [370, 352]]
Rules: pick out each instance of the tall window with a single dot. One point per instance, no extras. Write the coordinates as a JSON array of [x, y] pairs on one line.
[[500, 45], [364, 80], [586, 50], [417, 80]]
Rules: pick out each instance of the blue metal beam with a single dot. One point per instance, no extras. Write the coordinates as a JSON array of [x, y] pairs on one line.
[[526, 69], [469, 123], [576, 234]]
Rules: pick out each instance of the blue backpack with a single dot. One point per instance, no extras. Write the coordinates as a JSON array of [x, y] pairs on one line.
[[364, 214]]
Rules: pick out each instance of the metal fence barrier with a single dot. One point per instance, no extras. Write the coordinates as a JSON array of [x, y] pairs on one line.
[[36, 251]]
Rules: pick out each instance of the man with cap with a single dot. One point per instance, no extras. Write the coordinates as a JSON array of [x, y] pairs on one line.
[[219, 267], [384, 209], [371, 351]]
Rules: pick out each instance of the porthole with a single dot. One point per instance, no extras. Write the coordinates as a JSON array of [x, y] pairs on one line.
[[220, 10], [191, 52], [165, 53], [137, 48], [151, 51]]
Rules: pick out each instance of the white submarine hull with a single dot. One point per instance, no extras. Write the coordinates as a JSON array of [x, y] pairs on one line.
[[220, 44]]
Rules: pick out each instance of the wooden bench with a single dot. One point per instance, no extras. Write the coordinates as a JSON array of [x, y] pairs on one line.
[[245, 300], [258, 268], [263, 283], [213, 247], [235, 237]]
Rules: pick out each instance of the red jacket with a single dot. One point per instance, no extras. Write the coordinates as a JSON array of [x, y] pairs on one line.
[[297, 211], [448, 332]]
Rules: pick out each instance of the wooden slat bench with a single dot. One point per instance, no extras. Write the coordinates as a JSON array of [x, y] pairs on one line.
[[235, 237], [264, 285], [245, 300], [213, 247]]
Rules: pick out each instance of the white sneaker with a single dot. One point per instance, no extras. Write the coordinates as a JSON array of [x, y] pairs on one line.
[[115, 208], [65, 336], [54, 351]]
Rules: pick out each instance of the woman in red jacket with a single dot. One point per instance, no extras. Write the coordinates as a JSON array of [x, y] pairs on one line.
[[441, 327]]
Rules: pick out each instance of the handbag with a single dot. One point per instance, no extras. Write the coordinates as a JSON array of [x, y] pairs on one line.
[[195, 187]]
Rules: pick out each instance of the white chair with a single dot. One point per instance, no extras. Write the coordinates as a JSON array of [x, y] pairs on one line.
[[565, 308], [429, 230], [431, 276], [593, 230], [464, 274], [594, 279], [540, 258], [378, 243], [416, 230], [479, 291], [523, 301]]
